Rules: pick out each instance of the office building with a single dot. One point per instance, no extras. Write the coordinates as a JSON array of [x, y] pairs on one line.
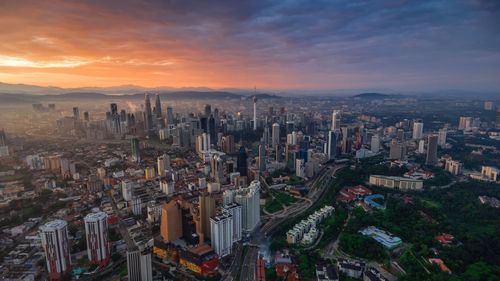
[[207, 210], [148, 116], [432, 144], [396, 182], [221, 228], [497, 120], [249, 200], [76, 113], [375, 143], [158, 113], [96, 230], [300, 168], [262, 157], [170, 116], [171, 227], [397, 150], [418, 129], [55, 242], [136, 151], [241, 162], [3, 138], [139, 266], [335, 120], [331, 146], [275, 134]]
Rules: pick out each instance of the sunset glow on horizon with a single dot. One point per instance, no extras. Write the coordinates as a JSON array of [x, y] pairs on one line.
[[271, 44]]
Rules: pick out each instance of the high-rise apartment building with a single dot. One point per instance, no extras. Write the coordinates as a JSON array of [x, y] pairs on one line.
[[465, 123], [249, 200], [235, 211], [442, 137], [221, 228], [55, 242], [96, 231], [163, 163], [418, 129], [136, 151], [139, 265], [375, 143]]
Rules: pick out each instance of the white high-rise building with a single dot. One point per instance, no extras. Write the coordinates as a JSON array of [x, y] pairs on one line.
[[235, 211], [249, 199], [167, 187], [421, 146], [442, 137], [55, 242], [127, 190], [300, 166], [163, 163], [96, 230], [375, 143], [139, 266], [465, 123], [418, 129], [221, 229], [335, 120], [275, 134]]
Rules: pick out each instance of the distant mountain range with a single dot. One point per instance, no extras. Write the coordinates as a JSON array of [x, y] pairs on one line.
[[20, 93], [375, 96]]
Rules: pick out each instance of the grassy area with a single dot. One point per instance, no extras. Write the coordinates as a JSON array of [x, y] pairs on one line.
[[278, 201]]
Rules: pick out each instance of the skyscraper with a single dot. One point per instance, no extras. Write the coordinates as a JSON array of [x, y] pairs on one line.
[[55, 242], [170, 115], [221, 228], [432, 143], [148, 115], [249, 200], [262, 157], [254, 113], [3, 138], [375, 143], [497, 120], [76, 113], [242, 162], [158, 112], [171, 227], [442, 137], [397, 150], [335, 120], [136, 152], [418, 129], [96, 230], [331, 146], [275, 134], [139, 265], [207, 210]]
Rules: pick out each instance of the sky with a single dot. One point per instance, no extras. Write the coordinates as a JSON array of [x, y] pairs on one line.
[[281, 45]]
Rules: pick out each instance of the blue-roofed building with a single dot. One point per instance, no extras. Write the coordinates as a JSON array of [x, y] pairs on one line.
[[383, 237], [369, 200]]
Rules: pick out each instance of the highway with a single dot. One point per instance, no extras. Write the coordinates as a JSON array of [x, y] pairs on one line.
[[317, 189]]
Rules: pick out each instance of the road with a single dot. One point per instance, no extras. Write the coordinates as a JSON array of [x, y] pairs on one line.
[[318, 188]]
